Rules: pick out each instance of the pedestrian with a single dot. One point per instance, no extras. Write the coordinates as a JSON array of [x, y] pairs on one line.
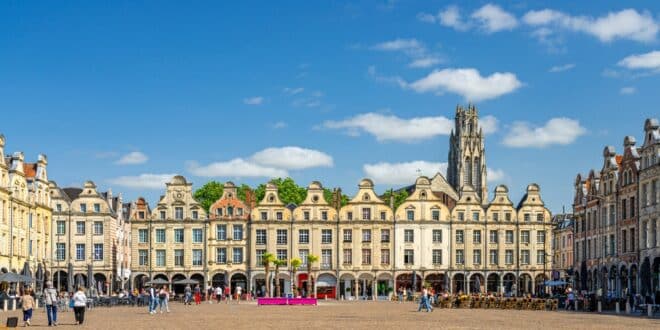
[[209, 294], [238, 294], [79, 304], [218, 294], [162, 299], [50, 299], [153, 300], [227, 294], [28, 304], [400, 294], [187, 295], [198, 295], [424, 301], [569, 299]]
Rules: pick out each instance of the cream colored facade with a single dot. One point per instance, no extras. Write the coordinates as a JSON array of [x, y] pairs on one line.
[[84, 230], [170, 242], [25, 213]]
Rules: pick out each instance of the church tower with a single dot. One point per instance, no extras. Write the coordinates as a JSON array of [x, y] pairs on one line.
[[467, 155]]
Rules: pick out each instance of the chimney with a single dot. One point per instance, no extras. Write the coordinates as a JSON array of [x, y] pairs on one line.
[[2, 149], [17, 160]]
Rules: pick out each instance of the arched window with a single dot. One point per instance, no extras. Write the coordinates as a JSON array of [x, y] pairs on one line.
[[467, 171], [476, 174]]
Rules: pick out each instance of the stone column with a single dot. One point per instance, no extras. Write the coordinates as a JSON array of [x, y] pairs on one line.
[[501, 285], [356, 289]]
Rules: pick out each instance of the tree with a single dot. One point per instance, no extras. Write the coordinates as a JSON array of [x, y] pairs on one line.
[[288, 190], [208, 194], [327, 194], [310, 260], [295, 264], [266, 259], [278, 263], [399, 197]]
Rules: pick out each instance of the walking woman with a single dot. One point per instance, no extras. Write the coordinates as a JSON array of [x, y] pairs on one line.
[[28, 304], [50, 298], [198, 295], [164, 296], [79, 304]]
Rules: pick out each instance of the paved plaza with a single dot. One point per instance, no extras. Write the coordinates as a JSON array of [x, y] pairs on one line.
[[339, 315]]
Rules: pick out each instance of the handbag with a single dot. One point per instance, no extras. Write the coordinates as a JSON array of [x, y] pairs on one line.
[[71, 304]]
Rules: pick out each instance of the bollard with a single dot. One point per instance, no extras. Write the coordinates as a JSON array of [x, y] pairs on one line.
[[600, 307], [649, 310], [576, 305], [36, 303], [4, 306], [627, 307], [13, 304], [617, 308]]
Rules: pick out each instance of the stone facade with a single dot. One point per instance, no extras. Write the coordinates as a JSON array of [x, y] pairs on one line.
[[562, 246]]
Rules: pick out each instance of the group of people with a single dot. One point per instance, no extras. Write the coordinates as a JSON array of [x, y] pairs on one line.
[[159, 298], [78, 302]]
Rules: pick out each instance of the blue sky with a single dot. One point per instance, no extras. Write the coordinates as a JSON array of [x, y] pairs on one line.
[[128, 93]]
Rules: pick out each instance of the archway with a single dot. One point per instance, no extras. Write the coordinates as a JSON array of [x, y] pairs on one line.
[[60, 280], [178, 288], [604, 280], [326, 286], [539, 281], [577, 282], [200, 280], [524, 284], [140, 281], [612, 284], [219, 280], [238, 279], [80, 280], [409, 282], [623, 280], [493, 282], [477, 283], [437, 281], [633, 279], [384, 285], [101, 281], [365, 286], [459, 283], [347, 286], [162, 277], [655, 269], [509, 282]]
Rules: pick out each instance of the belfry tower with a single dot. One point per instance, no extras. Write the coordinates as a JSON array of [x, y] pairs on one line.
[[467, 155]]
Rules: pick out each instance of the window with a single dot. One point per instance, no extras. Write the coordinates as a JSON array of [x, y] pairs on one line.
[[83, 208], [264, 215], [230, 211], [59, 207], [61, 227], [143, 257], [326, 236], [195, 215], [160, 235], [260, 257], [539, 217], [624, 240], [408, 236], [507, 216], [383, 215], [492, 258], [612, 245], [540, 237], [437, 235], [348, 235], [160, 258], [476, 236], [282, 237], [98, 251], [162, 215], [197, 257], [437, 257], [98, 227], [366, 256], [326, 259], [459, 236], [385, 256], [496, 217], [476, 257], [435, 215], [540, 257], [460, 258], [633, 247], [461, 216], [493, 236], [80, 251], [366, 213], [348, 256], [409, 256], [238, 233], [97, 208], [306, 215], [278, 215], [178, 213], [384, 235], [261, 237], [197, 235], [526, 217], [221, 255], [178, 235], [237, 256], [239, 211], [524, 236], [178, 257], [366, 235], [60, 251], [303, 236], [218, 211], [143, 236], [80, 227], [508, 257], [524, 257], [282, 254], [221, 232], [410, 215], [475, 216], [324, 215], [349, 215], [509, 236], [302, 254]]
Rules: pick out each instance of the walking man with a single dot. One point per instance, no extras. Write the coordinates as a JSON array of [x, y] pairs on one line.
[[50, 299], [424, 301], [153, 299]]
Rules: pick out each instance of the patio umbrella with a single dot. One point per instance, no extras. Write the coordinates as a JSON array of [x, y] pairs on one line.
[[555, 283], [477, 283], [158, 281], [69, 280], [186, 282], [90, 277], [414, 281], [79, 281], [11, 277], [39, 277]]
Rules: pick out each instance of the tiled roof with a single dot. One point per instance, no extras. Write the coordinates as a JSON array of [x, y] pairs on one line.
[[72, 193], [618, 159], [30, 170]]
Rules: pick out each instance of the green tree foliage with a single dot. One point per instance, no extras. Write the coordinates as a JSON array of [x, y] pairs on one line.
[[288, 190], [208, 194], [327, 194], [399, 197]]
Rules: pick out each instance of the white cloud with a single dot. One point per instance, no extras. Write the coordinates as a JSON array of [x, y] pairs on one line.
[[237, 167], [279, 124], [293, 90], [143, 181], [625, 24], [468, 83], [413, 48], [488, 124], [294, 158], [492, 18], [426, 18], [396, 80], [494, 175], [402, 173], [424, 62], [256, 100], [628, 90], [132, 158], [399, 45], [451, 17], [557, 131], [649, 61], [561, 68], [389, 127]]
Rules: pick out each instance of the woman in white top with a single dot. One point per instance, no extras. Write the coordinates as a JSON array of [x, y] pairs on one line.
[[79, 304]]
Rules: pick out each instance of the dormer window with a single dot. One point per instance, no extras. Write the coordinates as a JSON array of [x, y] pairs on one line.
[[324, 215], [365, 197], [410, 215], [162, 215], [383, 216], [141, 215], [239, 211], [218, 211], [306, 215], [59, 207], [230, 211], [264, 215], [229, 195], [271, 198], [195, 215], [178, 213], [315, 199], [97, 208], [83, 208], [349, 215], [422, 195], [278, 215]]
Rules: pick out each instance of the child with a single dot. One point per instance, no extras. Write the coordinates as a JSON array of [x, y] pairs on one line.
[[28, 303]]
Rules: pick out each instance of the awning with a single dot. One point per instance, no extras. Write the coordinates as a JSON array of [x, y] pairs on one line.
[[326, 280]]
